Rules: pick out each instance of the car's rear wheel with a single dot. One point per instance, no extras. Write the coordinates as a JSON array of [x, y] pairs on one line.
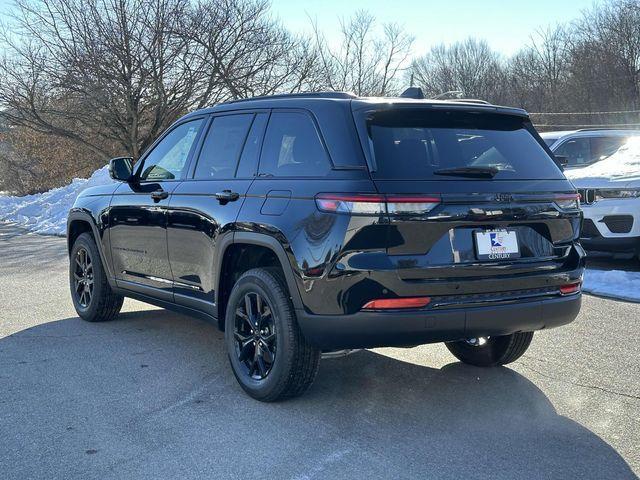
[[269, 356], [491, 351], [91, 293]]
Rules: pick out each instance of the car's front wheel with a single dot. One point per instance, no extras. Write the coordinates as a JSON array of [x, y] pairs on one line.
[[91, 293], [269, 356], [491, 351]]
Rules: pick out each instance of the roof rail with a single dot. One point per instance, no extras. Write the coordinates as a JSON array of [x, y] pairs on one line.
[[613, 127], [448, 95], [468, 100], [328, 94]]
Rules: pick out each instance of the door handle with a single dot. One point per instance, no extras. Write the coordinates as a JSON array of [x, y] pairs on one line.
[[227, 196], [159, 195]]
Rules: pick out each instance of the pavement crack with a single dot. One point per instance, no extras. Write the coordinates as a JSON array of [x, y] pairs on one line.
[[579, 384]]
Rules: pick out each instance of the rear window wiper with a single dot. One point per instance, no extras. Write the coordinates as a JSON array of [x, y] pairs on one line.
[[474, 172]]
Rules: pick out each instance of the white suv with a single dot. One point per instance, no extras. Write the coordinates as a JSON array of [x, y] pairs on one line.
[[579, 148], [610, 199]]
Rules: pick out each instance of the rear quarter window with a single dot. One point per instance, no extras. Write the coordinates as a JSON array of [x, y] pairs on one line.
[[415, 143], [292, 147]]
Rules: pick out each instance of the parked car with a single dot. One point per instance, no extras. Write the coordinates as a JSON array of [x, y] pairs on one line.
[[312, 223], [579, 148], [610, 198]]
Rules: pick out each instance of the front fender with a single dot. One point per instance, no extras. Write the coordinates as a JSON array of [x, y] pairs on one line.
[[81, 219]]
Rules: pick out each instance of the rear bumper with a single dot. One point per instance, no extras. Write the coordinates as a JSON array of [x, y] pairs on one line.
[[403, 328]]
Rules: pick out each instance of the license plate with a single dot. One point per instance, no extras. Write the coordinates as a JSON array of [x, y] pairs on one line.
[[497, 245]]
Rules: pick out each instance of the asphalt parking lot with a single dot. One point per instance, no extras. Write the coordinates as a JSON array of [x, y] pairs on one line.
[[151, 395]]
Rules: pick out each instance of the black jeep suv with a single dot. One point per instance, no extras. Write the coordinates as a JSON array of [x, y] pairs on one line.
[[322, 222]]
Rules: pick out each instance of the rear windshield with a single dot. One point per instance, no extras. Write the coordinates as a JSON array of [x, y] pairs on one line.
[[417, 144]]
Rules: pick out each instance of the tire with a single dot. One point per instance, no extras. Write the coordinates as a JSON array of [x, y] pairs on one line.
[[102, 304], [496, 351], [284, 365]]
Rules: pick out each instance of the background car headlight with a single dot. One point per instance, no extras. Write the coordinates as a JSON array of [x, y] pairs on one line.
[[615, 193], [568, 201]]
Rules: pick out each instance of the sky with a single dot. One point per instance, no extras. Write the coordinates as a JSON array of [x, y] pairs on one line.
[[506, 25]]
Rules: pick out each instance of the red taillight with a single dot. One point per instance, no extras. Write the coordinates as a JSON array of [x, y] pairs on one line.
[[373, 204], [570, 288], [397, 303]]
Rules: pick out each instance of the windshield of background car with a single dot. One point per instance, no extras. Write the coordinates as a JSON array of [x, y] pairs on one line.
[[414, 144]]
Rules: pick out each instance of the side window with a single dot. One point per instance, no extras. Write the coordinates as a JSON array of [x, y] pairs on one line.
[[292, 147], [168, 158], [603, 147], [249, 159], [577, 151], [222, 146]]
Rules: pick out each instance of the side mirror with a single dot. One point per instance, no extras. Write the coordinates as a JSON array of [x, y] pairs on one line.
[[121, 168], [562, 160]]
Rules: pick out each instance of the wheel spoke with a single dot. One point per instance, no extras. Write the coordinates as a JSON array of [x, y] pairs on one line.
[[248, 307], [242, 338], [264, 317], [266, 353], [245, 352], [77, 277], [244, 316], [262, 367], [258, 305], [269, 338], [252, 368]]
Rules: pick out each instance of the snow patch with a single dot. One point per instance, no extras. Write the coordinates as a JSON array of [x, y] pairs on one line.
[[613, 283], [624, 164], [46, 213]]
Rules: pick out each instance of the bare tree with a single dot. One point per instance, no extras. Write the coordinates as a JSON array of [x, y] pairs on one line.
[[107, 74], [244, 52], [612, 32], [364, 62], [471, 67], [539, 71]]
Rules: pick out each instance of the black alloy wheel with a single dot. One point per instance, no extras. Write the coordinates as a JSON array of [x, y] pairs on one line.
[[255, 335], [92, 296], [268, 353], [83, 277]]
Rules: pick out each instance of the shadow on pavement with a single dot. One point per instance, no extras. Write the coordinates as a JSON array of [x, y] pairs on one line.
[[151, 395], [603, 263]]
